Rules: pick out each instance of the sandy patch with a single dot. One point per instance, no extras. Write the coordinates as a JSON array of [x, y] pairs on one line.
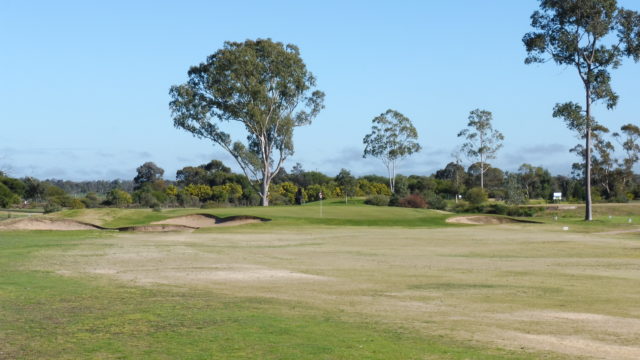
[[45, 224], [207, 220], [196, 220], [570, 345], [481, 220]]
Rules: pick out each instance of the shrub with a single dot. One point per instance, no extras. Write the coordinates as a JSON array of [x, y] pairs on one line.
[[476, 196], [435, 201], [312, 192], [51, 207], [76, 204], [90, 200], [377, 200], [497, 209], [187, 200], [524, 211], [118, 198], [277, 199], [202, 192], [413, 201], [214, 205], [7, 198], [171, 190]]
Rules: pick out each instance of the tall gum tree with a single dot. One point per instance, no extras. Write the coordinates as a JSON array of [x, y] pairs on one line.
[[482, 140], [592, 36], [261, 84], [393, 137]]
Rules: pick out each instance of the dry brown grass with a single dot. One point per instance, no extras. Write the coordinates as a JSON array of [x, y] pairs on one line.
[[526, 287]]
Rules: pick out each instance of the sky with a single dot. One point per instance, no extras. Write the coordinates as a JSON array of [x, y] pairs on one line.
[[84, 84]]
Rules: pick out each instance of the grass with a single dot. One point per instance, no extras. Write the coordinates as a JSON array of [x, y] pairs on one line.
[[50, 316], [333, 213], [360, 282]]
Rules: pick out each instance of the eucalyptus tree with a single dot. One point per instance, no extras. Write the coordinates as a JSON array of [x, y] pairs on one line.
[[629, 139], [393, 138], [593, 37], [482, 140], [147, 173], [262, 85]]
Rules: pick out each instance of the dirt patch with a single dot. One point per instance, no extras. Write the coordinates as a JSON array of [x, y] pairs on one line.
[[206, 220], [46, 224], [486, 220]]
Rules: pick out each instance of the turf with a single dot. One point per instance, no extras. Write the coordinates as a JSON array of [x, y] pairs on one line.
[[331, 213], [357, 282], [48, 316]]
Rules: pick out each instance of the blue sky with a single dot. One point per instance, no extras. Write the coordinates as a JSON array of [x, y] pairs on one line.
[[84, 85]]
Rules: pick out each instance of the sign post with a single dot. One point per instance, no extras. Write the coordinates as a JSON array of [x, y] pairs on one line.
[[320, 196]]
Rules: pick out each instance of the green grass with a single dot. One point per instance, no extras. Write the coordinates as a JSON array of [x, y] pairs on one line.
[[48, 316], [331, 213], [387, 283]]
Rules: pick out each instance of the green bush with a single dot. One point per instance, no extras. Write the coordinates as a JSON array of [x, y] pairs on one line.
[[498, 209], [377, 200], [435, 201], [476, 196], [51, 207], [118, 198], [524, 211], [76, 204], [90, 200], [7, 198]]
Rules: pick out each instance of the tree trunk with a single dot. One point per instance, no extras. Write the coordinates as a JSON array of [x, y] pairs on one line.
[[481, 174], [266, 180], [265, 192], [392, 176], [587, 171]]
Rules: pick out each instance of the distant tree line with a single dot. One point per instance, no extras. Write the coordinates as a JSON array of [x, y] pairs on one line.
[[214, 185]]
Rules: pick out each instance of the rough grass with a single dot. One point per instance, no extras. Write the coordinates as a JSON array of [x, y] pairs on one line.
[[296, 289], [48, 316]]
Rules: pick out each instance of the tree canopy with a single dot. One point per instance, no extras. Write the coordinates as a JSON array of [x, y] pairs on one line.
[[261, 84], [392, 138], [482, 140]]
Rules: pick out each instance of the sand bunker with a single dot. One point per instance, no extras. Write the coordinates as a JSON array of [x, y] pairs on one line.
[[46, 224], [157, 228], [206, 220], [180, 223], [486, 220]]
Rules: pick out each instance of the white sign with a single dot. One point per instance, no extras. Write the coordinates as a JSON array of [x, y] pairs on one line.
[[557, 196], [320, 195]]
